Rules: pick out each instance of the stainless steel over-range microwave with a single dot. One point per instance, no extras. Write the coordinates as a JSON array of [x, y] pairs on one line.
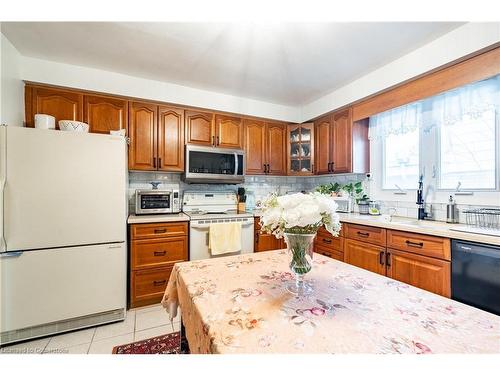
[[206, 164], [157, 202]]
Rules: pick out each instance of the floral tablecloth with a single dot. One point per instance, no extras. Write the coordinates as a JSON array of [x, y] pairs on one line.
[[238, 304]]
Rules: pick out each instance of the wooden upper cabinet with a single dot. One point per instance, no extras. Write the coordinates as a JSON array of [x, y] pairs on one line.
[[275, 148], [365, 255], [265, 146], [423, 272], [300, 149], [170, 139], [342, 141], [323, 147], [62, 104], [255, 147], [104, 113], [200, 128], [228, 132], [143, 120]]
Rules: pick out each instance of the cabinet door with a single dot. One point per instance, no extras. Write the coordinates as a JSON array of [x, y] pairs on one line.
[[300, 149], [63, 105], [255, 147], [264, 241], [200, 128], [104, 114], [423, 272], [364, 255], [170, 139], [229, 132], [276, 149], [342, 141], [143, 121], [323, 133]]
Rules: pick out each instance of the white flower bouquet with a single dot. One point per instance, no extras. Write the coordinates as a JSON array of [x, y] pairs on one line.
[[299, 214]]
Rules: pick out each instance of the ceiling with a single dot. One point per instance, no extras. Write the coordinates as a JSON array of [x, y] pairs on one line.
[[283, 63]]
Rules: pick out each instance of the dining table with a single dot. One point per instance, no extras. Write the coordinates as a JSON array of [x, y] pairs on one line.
[[239, 304]]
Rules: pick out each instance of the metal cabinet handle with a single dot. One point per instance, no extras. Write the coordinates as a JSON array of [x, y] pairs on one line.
[[159, 282], [381, 258], [159, 253], [163, 230], [213, 140], [217, 142], [388, 261], [154, 162], [326, 240], [332, 167], [363, 234], [414, 244], [256, 237], [159, 162]]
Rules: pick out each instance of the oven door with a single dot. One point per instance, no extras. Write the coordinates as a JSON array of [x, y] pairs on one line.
[[199, 237], [153, 202], [214, 165]]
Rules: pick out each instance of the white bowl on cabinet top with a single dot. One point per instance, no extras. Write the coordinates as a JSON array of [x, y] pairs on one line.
[[75, 126]]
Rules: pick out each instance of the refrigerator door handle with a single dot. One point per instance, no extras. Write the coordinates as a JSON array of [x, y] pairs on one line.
[[11, 254], [3, 181]]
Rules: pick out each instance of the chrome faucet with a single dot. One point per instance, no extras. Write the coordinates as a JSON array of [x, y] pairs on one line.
[[422, 214]]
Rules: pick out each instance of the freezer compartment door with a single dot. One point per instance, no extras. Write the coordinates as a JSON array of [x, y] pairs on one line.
[[43, 286], [62, 188]]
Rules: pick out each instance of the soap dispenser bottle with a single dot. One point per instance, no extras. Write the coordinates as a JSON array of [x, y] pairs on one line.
[[451, 211]]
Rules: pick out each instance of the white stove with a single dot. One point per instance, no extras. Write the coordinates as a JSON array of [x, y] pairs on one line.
[[206, 207]]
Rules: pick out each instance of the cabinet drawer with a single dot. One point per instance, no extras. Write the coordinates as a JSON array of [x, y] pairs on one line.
[[158, 252], [364, 233], [323, 232], [436, 247], [330, 242], [334, 254], [156, 230], [148, 286]]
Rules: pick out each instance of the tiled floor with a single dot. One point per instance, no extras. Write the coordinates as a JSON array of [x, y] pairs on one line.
[[140, 324]]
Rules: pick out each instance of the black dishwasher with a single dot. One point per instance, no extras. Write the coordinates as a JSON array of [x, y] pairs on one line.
[[475, 275]]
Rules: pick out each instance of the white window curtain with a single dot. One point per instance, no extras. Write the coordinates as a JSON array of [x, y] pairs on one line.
[[443, 109]]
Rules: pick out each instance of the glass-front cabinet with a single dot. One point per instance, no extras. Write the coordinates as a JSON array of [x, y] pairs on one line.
[[301, 149]]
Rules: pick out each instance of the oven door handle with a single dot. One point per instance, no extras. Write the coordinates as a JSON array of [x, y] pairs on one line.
[[206, 226]]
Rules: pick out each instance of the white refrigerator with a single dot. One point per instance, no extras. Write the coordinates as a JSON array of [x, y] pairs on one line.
[[63, 256]]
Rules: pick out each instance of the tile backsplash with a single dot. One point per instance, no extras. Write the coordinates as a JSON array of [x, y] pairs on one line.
[[261, 186]]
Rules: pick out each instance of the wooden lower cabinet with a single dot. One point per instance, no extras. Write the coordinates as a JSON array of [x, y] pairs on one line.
[[364, 255], [328, 245], [154, 249], [264, 241], [149, 285], [420, 271]]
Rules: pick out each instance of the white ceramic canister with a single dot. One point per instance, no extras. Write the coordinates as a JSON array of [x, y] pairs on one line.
[[45, 121]]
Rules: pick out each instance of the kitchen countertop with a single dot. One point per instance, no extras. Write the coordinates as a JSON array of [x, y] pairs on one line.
[[406, 224], [166, 218]]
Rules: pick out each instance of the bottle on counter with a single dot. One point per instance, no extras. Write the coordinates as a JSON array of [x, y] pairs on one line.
[[451, 211]]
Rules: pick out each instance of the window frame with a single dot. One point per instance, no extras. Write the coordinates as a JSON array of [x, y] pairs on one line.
[[437, 154], [383, 164]]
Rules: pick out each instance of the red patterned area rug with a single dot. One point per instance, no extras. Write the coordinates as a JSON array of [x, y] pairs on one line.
[[165, 344]]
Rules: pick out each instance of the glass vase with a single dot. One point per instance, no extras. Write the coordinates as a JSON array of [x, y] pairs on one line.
[[300, 250]]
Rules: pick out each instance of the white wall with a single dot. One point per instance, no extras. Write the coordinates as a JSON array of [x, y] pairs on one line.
[[11, 86], [460, 42], [54, 73]]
